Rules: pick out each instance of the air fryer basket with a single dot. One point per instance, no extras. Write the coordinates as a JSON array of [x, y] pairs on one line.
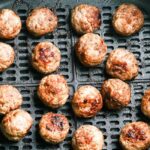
[[26, 79]]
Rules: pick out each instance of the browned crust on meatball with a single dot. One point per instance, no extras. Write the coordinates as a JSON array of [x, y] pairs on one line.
[[87, 137], [41, 21], [116, 93], [87, 101], [122, 64], [53, 91], [91, 49], [46, 57], [127, 19], [16, 124], [53, 127], [145, 104], [85, 18], [135, 136], [10, 24]]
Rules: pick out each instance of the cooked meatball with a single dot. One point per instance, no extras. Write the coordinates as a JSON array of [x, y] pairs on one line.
[[10, 99], [87, 101], [116, 93], [127, 19], [7, 56], [16, 124], [122, 64], [135, 136], [145, 104], [53, 91], [91, 49], [87, 137], [85, 18], [41, 21], [53, 127], [10, 24], [46, 57]]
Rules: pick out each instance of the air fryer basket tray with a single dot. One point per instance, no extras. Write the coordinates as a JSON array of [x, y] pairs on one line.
[[26, 79]]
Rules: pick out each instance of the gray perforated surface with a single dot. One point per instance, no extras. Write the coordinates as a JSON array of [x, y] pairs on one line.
[[26, 79]]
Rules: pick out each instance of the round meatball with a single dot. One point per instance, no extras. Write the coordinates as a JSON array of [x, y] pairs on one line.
[[135, 136], [85, 18], [116, 93], [122, 64], [41, 21], [87, 137], [53, 127], [10, 99], [127, 19], [87, 101], [46, 57], [10, 24], [16, 124], [7, 56], [53, 91], [91, 49], [145, 104]]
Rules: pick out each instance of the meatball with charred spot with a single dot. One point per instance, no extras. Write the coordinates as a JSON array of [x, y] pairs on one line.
[[122, 64], [116, 93], [41, 21], [53, 127], [16, 124], [85, 18], [53, 91], [87, 101], [127, 19], [87, 137], [135, 136], [46, 57], [91, 49]]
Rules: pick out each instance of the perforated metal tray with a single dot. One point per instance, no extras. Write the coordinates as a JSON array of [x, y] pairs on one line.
[[26, 79]]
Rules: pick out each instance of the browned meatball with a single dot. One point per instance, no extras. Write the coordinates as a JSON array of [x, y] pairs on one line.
[[135, 136], [10, 24], [16, 124], [145, 104], [116, 93], [10, 99], [91, 49], [53, 127], [46, 57], [122, 64], [127, 19], [7, 56], [87, 137], [53, 91], [87, 101], [85, 18], [41, 21]]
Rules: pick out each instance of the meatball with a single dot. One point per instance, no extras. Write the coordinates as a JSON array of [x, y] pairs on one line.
[[46, 57], [87, 101], [16, 124], [7, 56], [53, 91], [91, 49], [85, 18], [127, 19], [10, 24], [41, 21], [122, 64], [10, 99], [135, 136], [87, 137], [53, 127], [145, 104], [116, 93]]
